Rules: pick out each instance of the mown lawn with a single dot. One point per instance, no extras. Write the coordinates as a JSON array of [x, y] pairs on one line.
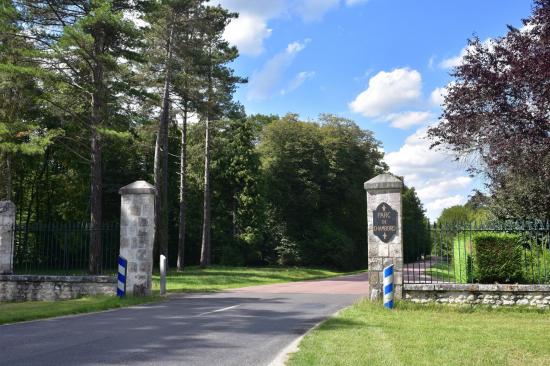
[[11, 312], [215, 278], [193, 279], [442, 272], [368, 334]]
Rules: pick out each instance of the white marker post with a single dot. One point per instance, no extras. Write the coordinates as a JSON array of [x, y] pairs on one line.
[[388, 286], [162, 274]]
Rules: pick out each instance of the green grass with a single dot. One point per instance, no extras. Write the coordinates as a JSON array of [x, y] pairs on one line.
[[368, 334], [442, 272], [215, 278], [11, 312]]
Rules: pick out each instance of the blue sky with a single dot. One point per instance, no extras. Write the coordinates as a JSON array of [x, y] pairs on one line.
[[382, 63]]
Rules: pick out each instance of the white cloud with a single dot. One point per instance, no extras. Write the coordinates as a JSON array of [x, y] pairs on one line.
[[264, 82], [388, 91], [437, 97], [438, 188], [454, 61], [251, 29], [439, 181], [248, 33], [313, 10], [355, 2], [298, 80], [442, 203], [408, 119]]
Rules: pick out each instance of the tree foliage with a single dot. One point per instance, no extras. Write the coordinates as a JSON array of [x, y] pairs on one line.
[[497, 113], [416, 231], [90, 102]]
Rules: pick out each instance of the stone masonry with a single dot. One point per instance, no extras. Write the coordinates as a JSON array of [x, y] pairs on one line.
[[51, 288], [137, 232], [7, 220], [493, 295], [384, 188]]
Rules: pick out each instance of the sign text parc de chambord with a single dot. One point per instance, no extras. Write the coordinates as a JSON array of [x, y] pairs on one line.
[[384, 224]]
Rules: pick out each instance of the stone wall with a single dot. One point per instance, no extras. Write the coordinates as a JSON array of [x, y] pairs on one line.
[[49, 288], [492, 295]]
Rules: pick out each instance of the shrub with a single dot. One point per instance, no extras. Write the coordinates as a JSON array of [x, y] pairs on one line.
[[333, 248], [497, 258], [288, 253]]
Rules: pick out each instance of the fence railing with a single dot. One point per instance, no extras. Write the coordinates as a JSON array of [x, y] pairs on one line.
[[62, 248], [453, 257]]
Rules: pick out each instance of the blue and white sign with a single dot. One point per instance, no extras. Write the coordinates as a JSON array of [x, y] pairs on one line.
[[388, 286], [122, 271]]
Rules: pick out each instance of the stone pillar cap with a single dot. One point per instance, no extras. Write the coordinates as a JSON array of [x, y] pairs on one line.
[[384, 181], [138, 187], [6, 206]]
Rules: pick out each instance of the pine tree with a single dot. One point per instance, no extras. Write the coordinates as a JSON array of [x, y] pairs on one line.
[[220, 83], [87, 48], [21, 130]]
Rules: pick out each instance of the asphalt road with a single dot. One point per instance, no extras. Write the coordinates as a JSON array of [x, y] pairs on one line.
[[248, 326]]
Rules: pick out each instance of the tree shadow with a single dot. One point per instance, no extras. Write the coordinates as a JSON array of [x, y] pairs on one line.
[[183, 330]]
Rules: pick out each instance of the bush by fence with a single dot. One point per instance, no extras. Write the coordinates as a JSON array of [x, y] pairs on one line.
[[499, 251], [497, 257]]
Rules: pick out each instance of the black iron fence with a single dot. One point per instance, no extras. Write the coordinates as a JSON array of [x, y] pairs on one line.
[[62, 248], [491, 252]]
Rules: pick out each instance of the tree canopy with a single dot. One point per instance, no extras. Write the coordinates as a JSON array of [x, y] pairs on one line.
[[496, 115], [97, 94]]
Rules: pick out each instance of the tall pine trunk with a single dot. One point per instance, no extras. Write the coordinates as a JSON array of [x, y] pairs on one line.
[[161, 157], [205, 245], [183, 193], [95, 199], [96, 189]]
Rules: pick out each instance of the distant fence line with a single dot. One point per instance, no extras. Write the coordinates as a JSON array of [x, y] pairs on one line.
[[452, 258], [62, 248]]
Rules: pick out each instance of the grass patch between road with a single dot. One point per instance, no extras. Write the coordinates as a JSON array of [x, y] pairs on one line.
[[368, 334], [11, 312], [215, 278]]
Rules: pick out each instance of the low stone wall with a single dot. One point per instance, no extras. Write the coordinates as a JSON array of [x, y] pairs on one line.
[[48, 288], [492, 295]]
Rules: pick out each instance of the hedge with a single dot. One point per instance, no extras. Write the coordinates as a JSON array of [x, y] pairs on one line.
[[497, 258]]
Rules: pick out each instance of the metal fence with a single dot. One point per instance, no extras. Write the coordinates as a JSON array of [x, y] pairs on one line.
[[452, 257], [62, 248]]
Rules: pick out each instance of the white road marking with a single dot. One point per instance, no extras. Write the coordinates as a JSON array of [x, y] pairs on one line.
[[217, 311]]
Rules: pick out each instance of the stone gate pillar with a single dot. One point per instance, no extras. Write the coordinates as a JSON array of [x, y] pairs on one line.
[[7, 221], [137, 233], [385, 234]]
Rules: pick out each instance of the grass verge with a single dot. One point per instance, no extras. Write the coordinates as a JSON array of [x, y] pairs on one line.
[[368, 334], [11, 312], [215, 278]]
